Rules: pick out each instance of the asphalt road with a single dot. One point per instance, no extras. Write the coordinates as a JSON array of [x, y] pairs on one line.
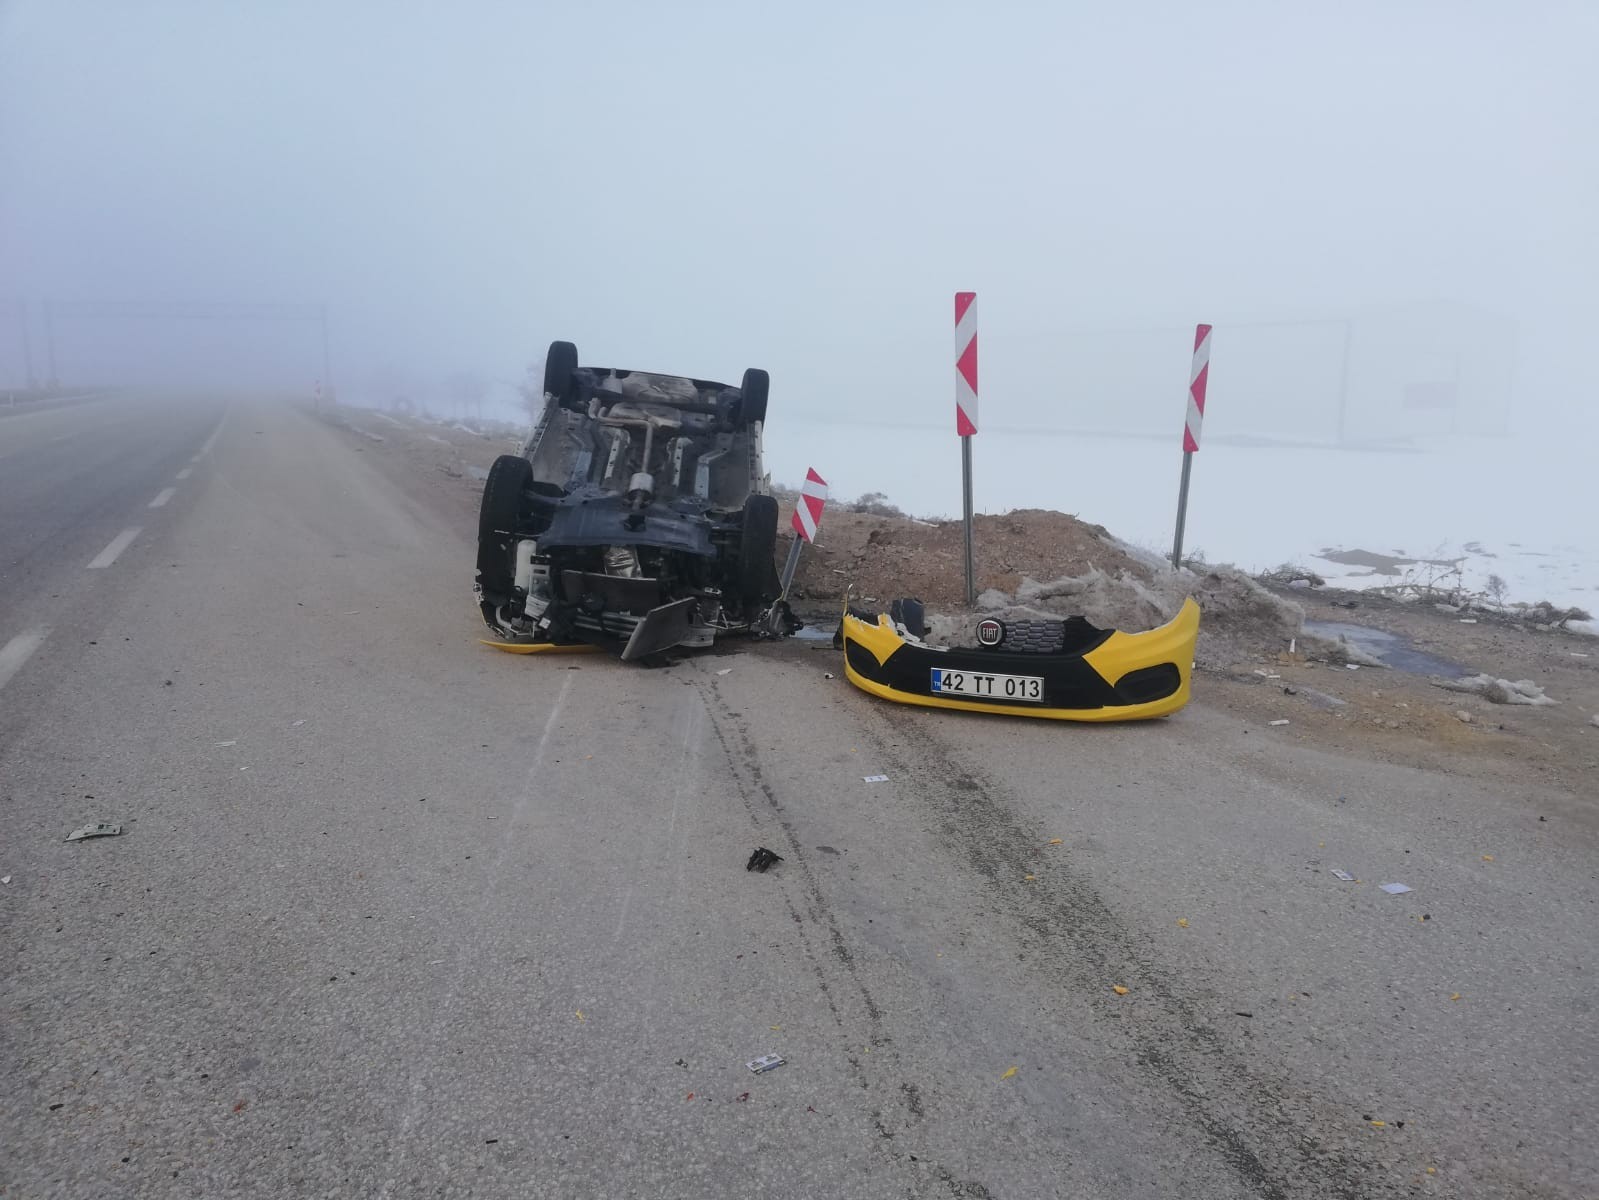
[[397, 916]]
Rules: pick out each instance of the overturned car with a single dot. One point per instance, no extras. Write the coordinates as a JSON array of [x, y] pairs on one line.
[[1065, 670], [637, 517]]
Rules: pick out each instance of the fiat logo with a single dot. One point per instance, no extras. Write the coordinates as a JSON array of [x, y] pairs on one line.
[[990, 632]]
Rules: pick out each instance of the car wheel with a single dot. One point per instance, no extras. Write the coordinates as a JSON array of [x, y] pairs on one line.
[[559, 365], [502, 511], [756, 573], [752, 397], [911, 614]]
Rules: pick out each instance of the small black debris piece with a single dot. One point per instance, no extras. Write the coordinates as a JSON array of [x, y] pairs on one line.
[[761, 859]]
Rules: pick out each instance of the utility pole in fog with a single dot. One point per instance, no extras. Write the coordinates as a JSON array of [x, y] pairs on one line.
[[327, 365], [50, 345], [27, 345]]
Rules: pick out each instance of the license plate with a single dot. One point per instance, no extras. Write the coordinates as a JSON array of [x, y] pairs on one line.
[[982, 686]]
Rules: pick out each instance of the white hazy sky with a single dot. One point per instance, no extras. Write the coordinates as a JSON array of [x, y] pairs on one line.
[[700, 186]]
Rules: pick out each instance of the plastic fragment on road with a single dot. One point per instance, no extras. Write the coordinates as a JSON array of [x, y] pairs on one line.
[[1380, 1124], [1008, 1074], [1456, 996], [300, 722], [5, 879], [725, 671], [1487, 858], [1029, 878], [1279, 721], [234, 742], [1182, 922], [827, 674], [94, 831], [1118, 989], [1344, 875], [1351, 666], [1395, 889], [580, 1015], [765, 1063], [761, 859], [874, 778], [1054, 841]]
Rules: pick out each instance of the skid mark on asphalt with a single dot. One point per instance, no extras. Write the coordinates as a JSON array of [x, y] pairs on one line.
[[764, 806], [417, 1100], [118, 544], [1078, 941], [17, 651]]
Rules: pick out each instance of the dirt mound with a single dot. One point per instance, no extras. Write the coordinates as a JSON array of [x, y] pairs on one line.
[[882, 557]]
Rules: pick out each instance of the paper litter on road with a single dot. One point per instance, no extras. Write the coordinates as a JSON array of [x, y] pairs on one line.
[[1344, 875], [5, 879], [94, 831], [1282, 721], [1352, 666], [766, 1062], [1394, 889], [874, 778], [301, 721], [725, 671], [234, 742]]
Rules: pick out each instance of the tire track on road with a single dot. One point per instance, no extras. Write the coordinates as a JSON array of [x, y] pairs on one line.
[[1074, 936]]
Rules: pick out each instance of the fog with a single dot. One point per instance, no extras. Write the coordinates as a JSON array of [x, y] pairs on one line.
[[1384, 209]]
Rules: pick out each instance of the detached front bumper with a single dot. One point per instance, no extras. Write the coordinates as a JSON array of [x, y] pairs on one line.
[[1109, 676]]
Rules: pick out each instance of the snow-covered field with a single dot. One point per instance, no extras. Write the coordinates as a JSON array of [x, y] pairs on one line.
[[1506, 507]]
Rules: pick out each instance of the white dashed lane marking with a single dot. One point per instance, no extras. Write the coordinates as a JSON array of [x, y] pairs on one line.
[[118, 544], [184, 474], [17, 651], [162, 497]]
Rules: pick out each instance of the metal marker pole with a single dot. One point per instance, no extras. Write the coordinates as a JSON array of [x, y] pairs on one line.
[[966, 499], [791, 565], [1182, 511]]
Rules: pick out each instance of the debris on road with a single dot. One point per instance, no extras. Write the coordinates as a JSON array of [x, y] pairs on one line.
[[761, 859], [1499, 691], [1118, 989], [1281, 721], [1244, 1014], [1182, 922], [725, 671], [827, 674], [766, 1062], [1487, 858], [1055, 841], [1008, 1074], [94, 831], [1344, 875], [5, 879], [1456, 996], [1462, 715], [300, 722], [1395, 889], [234, 742], [874, 778]]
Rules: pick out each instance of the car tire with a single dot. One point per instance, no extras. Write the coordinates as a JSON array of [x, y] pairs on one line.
[[503, 508], [752, 397], [911, 614], [559, 366], [756, 572]]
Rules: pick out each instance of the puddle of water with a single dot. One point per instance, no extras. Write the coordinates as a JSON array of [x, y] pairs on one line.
[[1394, 649]]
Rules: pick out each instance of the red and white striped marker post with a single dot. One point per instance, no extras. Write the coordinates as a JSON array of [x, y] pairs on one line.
[[807, 516], [1198, 377], [966, 413]]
